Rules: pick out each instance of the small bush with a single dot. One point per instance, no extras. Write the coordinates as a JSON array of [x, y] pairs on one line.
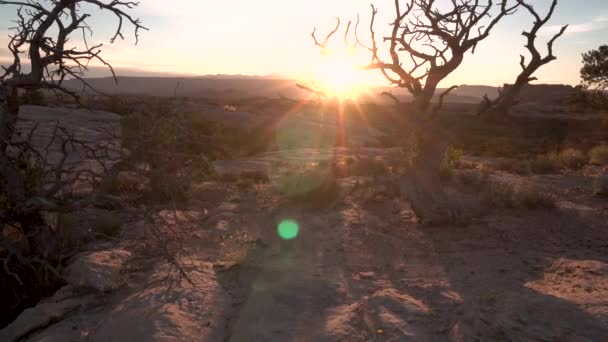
[[128, 182], [508, 196], [599, 155], [498, 194], [33, 97], [451, 161], [473, 178], [572, 158], [546, 163], [533, 199]]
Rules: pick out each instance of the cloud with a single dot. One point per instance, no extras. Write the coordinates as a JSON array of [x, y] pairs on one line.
[[596, 24], [602, 19]]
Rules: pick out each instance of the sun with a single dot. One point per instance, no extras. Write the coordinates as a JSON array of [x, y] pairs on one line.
[[339, 74]]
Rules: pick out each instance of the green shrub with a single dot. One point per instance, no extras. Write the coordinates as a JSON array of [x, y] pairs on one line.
[[599, 155], [572, 158]]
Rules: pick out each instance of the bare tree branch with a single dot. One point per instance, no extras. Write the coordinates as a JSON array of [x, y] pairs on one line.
[[508, 97], [435, 39]]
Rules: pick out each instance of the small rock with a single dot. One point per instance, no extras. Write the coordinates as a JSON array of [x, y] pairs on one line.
[[367, 275], [102, 270], [225, 265]]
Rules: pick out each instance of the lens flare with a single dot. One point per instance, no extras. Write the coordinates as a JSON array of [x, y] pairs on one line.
[[288, 229], [339, 74]]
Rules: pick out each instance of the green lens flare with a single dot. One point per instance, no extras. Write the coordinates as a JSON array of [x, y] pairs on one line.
[[288, 229]]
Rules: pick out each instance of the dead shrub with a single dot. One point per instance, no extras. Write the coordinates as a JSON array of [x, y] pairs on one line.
[[533, 199], [499, 194], [473, 178], [546, 163], [127, 182]]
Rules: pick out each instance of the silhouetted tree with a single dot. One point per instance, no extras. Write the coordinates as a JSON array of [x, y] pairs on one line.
[[42, 59], [428, 41], [594, 72], [508, 95]]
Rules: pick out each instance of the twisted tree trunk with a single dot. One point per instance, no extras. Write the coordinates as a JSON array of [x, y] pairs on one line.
[[422, 183]]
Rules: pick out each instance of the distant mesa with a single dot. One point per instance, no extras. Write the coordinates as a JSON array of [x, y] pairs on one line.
[[276, 85]]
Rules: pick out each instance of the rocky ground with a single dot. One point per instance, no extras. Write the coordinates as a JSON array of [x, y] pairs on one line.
[[358, 270], [361, 268]]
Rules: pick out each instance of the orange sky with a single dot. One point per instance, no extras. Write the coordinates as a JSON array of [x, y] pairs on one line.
[[273, 37]]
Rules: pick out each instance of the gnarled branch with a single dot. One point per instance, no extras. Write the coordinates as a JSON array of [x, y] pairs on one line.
[[508, 97]]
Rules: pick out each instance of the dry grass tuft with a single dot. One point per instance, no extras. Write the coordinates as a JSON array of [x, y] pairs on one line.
[[505, 195], [572, 158], [599, 155]]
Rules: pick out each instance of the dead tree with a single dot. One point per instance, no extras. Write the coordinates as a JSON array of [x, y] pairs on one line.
[[508, 95], [428, 41], [40, 39]]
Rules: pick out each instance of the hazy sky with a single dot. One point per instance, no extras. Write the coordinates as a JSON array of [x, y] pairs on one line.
[[273, 36]]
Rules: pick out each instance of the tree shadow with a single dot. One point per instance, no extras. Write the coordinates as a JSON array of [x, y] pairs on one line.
[[500, 271], [493, 281]]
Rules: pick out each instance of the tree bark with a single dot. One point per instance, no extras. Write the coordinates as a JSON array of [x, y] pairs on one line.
[[422, 183]]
